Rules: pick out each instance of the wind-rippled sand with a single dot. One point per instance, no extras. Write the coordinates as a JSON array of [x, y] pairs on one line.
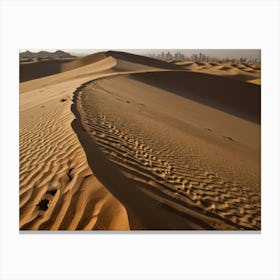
[[150, 148]]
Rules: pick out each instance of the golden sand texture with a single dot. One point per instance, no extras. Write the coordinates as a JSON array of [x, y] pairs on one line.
[[117, 141], [248, 72]]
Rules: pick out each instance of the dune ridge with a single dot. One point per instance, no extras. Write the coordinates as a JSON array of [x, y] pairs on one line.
[[146, 210], [121, 62], [237, 97], [31, 70], [100, 165], [247, 72], [58, 190], [185, 184], [83, 61]]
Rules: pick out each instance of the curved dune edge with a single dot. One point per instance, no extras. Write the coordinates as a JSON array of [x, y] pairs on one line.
[[156, 204], [58, 190], [145, 211], [38, 69], [240, 98]]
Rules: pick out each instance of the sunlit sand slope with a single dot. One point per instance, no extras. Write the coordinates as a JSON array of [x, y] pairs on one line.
[[196, 157], [57, 188], [117, 141]]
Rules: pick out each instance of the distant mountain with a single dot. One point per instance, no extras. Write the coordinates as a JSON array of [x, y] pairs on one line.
[[45, 54]]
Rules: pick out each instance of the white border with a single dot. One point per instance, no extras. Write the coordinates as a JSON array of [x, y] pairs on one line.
[[135, 24]]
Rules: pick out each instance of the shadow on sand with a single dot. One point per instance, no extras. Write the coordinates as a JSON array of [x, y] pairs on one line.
[[235, 97], [145, 209]]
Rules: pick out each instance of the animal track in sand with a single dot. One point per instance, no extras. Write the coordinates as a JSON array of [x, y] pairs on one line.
[[226, 137]]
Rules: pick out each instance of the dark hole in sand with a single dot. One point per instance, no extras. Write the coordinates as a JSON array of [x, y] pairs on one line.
[[52, 192], [43, 205], [63, 100], [69, 174]]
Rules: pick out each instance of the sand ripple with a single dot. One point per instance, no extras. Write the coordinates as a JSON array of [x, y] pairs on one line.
[[153, 165], [58, 190]]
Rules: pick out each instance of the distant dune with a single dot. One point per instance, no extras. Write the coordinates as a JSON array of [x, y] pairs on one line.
[[116, 141], [34, 65], [34, 69], [85, 60], [123, 62], [247, 72], [44, 55]]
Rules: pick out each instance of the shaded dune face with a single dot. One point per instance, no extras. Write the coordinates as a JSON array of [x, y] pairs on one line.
[[147, 144], [122, 61], [35, 70], [93, 58], [233, 96], [58, 190], [170, 146], [145, 62]]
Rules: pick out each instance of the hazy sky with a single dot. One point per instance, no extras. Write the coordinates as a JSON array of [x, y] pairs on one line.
[[219, 53]]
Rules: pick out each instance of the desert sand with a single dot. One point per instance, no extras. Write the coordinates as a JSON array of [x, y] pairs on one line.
[[116, 141], [249, 72]]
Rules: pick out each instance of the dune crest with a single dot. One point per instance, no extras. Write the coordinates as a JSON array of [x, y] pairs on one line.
[[58, 190], [117, 141], [177, 173]]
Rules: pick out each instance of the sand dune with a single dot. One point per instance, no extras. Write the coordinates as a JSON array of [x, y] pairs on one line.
[[195, 160], [79, 62], [30, 70], [119, 141], [54, 174], [105, 62], [145, 62], [123, 62], [238, 71], [57, 188], [103, 66], [241, 99], [255, 81]]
